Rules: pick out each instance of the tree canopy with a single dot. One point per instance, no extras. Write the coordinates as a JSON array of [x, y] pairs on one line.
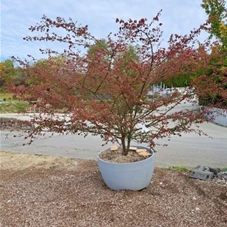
[[105, 91]]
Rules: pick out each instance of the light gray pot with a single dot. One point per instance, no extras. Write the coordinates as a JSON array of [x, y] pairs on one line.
[[130, 176]]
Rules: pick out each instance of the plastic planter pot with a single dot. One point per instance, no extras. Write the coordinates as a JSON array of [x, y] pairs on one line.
[[129, 176]]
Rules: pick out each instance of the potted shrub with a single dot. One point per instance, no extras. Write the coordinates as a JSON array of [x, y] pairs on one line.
[[106, 90]]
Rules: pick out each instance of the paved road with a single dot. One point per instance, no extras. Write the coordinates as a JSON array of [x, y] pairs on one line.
[[189, 150]]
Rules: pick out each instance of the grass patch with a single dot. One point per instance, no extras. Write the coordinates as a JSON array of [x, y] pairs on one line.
[[14, 106], [180, 168], [224, 169], [6, 96]]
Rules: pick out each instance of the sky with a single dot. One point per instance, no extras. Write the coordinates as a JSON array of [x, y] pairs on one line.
[[178, 16]]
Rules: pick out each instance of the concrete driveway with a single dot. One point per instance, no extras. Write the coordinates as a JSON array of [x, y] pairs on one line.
[[189, 150], [192, 150]]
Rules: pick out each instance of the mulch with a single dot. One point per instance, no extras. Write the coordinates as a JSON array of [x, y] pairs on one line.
[[70, 198]]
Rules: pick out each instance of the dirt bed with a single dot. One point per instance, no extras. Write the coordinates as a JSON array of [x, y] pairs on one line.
[[49, 191]]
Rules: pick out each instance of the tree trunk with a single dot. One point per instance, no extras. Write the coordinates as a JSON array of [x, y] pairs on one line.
[[125, 150], [125, 146]]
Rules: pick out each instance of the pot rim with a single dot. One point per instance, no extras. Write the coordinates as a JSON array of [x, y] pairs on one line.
[[128, 163]]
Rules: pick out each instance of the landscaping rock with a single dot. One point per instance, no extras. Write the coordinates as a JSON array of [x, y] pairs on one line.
[[202, 173], [222, 175], [207, 173]]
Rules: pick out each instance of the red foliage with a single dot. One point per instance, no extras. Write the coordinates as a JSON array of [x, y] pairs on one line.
[[103, 93]]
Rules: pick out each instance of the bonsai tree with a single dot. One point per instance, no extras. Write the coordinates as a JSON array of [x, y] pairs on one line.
[[104, 87]]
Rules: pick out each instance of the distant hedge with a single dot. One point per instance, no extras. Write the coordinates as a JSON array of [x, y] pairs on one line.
[[182, 80]]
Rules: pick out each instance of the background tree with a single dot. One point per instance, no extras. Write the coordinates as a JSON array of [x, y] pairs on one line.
[[217, 15], [213, 80], [7, 72]]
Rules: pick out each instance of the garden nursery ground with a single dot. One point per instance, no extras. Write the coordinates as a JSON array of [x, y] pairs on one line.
[[39, 190]]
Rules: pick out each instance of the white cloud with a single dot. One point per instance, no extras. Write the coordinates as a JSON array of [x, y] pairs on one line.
[[16, 16]]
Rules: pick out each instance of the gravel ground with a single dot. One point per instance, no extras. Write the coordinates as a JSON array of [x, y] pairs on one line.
[[53, 192]]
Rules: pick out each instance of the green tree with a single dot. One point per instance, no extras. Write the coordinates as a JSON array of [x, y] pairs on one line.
[[128, 57], [7, 72], [99, 48], [216, 72], [7, 69], [217, 15]]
